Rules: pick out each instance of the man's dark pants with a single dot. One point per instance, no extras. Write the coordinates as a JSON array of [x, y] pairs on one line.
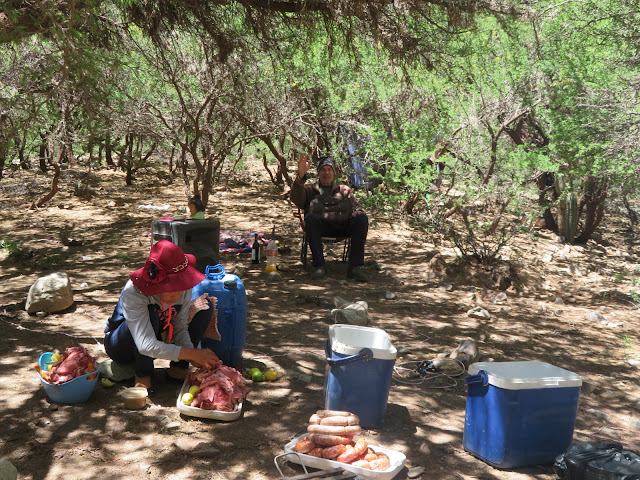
[[357, 228]]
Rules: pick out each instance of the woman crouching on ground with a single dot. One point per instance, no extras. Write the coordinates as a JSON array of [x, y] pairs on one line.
[[153, 316]]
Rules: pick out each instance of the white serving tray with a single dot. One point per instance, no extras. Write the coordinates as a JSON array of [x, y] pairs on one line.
[[396, 462], [202, 413]]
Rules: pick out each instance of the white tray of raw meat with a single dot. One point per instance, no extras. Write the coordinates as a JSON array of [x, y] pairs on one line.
[[396, 462], [203, 413]]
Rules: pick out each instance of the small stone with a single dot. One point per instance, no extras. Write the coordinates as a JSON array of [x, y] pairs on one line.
[[389, 295], [84, 285], [600, 415], [595, 317], [342, 281], [85, 259], [240, 270], [635, 363], [172, 426], [291, 280], [478, 312], [415, 472], [634, 423], [447, 287], [501, 297], [424, 448], [205, 451], [403, 350], [41, 314], [559, 301]]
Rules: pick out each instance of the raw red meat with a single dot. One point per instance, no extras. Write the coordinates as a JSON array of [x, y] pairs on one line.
[[221, 388], [75, 362]]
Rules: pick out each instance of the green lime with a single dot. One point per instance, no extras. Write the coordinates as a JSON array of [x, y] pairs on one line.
[[257, 376], [253, 370], [194, 389], [187, 398], [106, 382]]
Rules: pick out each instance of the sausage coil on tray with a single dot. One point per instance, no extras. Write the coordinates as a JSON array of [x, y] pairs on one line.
[[333, 435]]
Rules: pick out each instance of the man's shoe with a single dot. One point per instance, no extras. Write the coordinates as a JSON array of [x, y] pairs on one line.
[[357, 274], [318, 272]]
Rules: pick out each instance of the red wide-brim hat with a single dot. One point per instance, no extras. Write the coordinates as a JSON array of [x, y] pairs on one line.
[[168, 269]]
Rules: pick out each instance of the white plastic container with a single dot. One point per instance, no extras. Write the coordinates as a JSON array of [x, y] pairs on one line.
[[202, 413], [396, 462]]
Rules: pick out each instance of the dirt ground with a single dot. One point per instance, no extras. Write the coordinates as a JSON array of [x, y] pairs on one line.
[[545, 319]]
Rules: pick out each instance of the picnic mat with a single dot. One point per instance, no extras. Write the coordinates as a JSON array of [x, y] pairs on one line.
[[236, 241]]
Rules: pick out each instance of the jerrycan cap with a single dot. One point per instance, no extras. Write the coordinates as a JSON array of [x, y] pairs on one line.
[[230, 284]]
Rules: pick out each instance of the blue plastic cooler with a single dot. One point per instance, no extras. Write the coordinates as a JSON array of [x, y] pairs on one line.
[[519, 413], [232, 313], [359, 368]]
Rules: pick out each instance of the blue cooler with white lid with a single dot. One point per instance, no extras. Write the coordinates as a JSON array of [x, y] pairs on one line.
[[360, 364], [519, 413]]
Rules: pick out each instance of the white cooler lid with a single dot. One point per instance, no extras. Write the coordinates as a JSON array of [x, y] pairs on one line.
[[526, 375], [350, 339]]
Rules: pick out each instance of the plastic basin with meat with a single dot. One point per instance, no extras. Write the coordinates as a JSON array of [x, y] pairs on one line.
[[77, 390]]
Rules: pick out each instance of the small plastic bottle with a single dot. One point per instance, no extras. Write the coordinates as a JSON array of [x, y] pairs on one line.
[[255, 249], [272, 256]]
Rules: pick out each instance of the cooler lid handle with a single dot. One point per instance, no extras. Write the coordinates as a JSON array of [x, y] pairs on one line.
[[481, 377], [214, 272], [364, 355]]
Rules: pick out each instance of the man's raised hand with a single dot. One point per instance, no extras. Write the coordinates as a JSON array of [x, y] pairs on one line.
[[304, 164]]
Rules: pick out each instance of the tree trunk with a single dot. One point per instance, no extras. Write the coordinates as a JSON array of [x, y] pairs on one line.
[[108, 151], [633, 216], [129, 162], [43, 153], [54, 184], [595, 193], [549, 220], [4, 147], [277, 179]]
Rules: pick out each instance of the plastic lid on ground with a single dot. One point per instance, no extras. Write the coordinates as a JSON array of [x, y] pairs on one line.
[[521, 375]]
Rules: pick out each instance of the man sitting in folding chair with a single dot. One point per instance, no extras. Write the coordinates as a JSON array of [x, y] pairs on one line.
[[330, 210]]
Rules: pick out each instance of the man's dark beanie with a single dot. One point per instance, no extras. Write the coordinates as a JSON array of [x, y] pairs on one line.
[[322, 161]]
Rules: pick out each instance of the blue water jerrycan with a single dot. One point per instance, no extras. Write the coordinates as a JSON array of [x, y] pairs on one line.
[[231, 305]]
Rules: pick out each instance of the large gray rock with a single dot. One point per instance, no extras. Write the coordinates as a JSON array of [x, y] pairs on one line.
[[50, 294], [352, 313], [8, 471]]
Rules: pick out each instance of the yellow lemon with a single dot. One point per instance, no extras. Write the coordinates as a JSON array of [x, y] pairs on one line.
[[105, 382], [194, 389], [187, 398], [55, 357], [257, 376], [270, 375]]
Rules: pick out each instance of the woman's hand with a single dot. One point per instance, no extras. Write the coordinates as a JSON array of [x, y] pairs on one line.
[[199, 357], [304, 164]]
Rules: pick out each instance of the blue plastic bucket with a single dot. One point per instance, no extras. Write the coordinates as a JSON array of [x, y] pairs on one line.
[[519, 413], [359, 369], [77, 390], [232, 313]]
